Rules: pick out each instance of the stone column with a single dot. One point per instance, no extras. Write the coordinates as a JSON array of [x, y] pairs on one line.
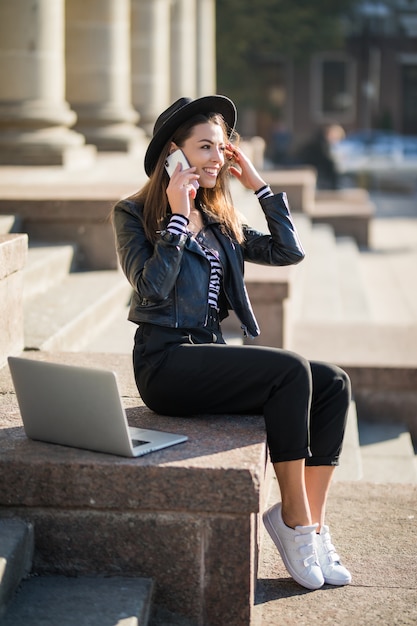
[[151, 36], [98, 73], [34, 116], [183, 49], [206, 47]]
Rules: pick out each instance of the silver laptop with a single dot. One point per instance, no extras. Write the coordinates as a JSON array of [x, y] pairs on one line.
[[79, 407]]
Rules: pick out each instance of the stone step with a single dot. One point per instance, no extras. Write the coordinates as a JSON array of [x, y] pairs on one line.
[[389, 280], [350, 463], [72, 313], [378, 303], [376, 452], [321, 293], [347, 217], [294, 304], [16, 550], [387, 453], [47, 265], [332, 286], [361, 344], [164, 515], [83, 601], [353, 293], [304, 227], [117, 337]]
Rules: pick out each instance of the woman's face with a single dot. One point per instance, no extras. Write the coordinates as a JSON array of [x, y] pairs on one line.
[[205, 150]]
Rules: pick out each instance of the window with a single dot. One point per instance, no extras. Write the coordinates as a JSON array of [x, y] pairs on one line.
[[333, 85], [409, 113]]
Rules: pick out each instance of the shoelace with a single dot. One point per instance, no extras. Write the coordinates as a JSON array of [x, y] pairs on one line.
[[307, 548]]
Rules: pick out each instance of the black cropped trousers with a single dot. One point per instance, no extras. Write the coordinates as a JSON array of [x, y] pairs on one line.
[[304, 403]]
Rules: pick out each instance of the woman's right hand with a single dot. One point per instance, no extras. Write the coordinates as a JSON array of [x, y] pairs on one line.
[[181, 189]]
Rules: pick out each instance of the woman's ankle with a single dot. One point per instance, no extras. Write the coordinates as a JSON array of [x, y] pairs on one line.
[[295, 516]]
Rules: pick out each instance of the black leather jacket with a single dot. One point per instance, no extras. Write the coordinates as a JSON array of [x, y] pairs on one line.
[[170, 279]]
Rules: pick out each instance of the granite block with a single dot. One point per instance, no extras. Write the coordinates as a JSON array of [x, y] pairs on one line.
[[161, 546], [185, 516], [13, 255], [203, 565], [73, 217], [229, 582], [11, 315], [299, 184], [41, 474]]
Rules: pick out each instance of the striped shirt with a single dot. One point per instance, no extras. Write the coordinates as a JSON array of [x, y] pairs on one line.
[[178, 226], [264, 192]]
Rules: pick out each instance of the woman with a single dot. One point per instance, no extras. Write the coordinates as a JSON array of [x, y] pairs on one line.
[[182, 246]]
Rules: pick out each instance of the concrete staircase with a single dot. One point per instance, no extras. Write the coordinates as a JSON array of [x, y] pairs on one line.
[[53, 600], [338, 313], [65, 306], [355, 306]]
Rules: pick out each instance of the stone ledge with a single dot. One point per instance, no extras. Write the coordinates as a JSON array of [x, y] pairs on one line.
[[349, 212], [82, 219], [13, 254], [386, 394], [350, 194], [230, 449], [299, 183], [186, 516], [224, 455], [269, 289]]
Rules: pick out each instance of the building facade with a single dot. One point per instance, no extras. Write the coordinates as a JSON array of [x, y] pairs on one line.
[[369, 83], [373, 82]]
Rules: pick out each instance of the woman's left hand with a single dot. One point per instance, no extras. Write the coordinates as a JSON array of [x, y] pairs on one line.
[[246, 172]]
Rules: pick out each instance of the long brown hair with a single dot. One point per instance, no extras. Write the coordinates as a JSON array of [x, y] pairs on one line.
[[216, 201]]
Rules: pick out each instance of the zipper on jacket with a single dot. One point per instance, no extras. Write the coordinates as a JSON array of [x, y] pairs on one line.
[[176, 323], [207, 312]]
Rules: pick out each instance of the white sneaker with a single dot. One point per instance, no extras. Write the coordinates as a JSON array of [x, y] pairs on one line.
[[296, 547], [333, 571]]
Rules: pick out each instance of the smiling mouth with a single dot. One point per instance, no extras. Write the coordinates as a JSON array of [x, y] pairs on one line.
[[211, 171]]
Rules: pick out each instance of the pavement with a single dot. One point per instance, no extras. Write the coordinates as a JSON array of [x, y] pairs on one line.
[[374, 529]]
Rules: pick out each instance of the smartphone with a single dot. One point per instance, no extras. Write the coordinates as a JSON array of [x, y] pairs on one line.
[[173, 159]]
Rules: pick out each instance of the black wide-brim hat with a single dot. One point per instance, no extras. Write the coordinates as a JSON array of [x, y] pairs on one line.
[[184, 108]]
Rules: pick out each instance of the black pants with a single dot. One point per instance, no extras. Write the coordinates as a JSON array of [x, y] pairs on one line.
[[304, 403]]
